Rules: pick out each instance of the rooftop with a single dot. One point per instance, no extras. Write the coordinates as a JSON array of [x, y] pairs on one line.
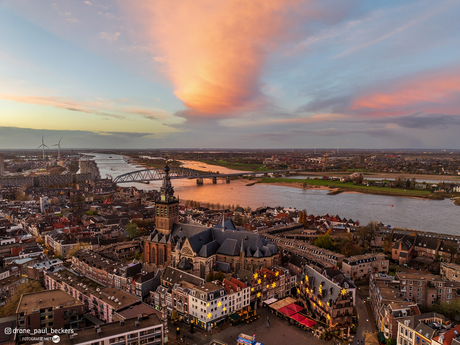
[[32, 302], [117, 298], [111, 329]]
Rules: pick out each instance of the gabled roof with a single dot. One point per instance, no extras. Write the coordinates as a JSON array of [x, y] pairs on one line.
[[258, 254], [229, 247], [174, 276], [208, 249]]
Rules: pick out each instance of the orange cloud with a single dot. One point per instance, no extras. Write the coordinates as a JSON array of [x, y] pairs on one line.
[[433, 93], [214, 51]]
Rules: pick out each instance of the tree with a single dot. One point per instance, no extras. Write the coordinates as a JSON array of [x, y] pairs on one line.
[[219, 276], [210, 277], [77, 247], [324, 241], [387, 244], [451, 310], [390, 341], [367, 233], [351, 249], [132, 230], [11, 305]]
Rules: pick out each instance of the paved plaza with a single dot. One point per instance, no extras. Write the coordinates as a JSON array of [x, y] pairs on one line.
[[279, 332]]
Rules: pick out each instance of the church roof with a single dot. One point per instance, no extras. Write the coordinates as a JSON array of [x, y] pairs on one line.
[[184, 264], [229, 247], [208, 249], [258, 254]]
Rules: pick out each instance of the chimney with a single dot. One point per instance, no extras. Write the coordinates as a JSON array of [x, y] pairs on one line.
[[136, 323], [122, 322], [139, 317]]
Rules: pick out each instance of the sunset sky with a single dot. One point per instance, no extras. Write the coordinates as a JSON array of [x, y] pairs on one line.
[[230, 74]]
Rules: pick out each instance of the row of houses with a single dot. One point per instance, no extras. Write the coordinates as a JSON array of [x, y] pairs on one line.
[[395, 297]]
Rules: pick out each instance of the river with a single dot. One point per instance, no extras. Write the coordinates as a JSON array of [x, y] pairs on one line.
[[429, 215]]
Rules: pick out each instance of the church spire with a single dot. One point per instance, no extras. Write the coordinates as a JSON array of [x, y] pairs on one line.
[[223, 220], [167, 190]]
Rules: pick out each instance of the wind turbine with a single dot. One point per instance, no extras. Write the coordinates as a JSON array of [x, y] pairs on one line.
[[59, 147], [43, 147]]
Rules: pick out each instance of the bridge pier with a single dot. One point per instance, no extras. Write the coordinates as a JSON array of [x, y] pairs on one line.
[[199, 181], [227, 179], [214, 180]]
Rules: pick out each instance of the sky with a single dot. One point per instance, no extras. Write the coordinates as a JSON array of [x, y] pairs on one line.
[[230, 74]]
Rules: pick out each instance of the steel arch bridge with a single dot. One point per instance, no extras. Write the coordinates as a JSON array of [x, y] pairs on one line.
[[156, 175], [183, 173]]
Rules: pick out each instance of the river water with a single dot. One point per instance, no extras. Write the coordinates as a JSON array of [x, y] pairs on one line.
[[429, 215]]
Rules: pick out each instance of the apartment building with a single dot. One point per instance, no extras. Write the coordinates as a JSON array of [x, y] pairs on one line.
[[423, 329], [49, 309], [450, 272], [362, 266], [325, 300], [239, 294], [388, 305], [209, 305], [273, 282], [144, 329], [426, 289], [102, 302], [128, 277]]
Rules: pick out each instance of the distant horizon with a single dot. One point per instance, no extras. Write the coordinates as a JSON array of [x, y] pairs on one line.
[[225, 74], [287, 150]]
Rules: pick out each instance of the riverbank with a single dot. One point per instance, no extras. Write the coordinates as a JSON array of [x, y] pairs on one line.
[[336, 187], [383, 175]]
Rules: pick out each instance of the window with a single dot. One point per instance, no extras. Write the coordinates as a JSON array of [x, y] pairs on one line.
[[419, 283], [417, 340], [410, 282]]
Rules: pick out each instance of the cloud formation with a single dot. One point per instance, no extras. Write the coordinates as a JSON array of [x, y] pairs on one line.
[[215, 50], [431, 93]]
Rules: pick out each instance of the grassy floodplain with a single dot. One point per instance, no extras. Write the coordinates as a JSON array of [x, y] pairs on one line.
[[237, 166], [360, 188]]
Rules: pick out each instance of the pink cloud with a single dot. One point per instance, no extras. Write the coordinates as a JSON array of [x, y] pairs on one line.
[[431, 93], [214, 51]]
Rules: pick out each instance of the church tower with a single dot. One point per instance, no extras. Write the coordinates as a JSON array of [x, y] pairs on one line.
[[167, 208]]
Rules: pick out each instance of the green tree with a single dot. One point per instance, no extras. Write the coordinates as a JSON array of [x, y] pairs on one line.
[[390, 341], [323, 241]]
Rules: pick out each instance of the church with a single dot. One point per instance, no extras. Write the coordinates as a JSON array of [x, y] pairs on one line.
[[200, 249]]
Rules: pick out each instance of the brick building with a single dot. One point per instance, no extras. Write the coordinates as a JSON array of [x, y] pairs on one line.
[[49, 309], [362, 266]]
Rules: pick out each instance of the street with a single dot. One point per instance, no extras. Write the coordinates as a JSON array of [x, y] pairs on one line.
[[365, 319]]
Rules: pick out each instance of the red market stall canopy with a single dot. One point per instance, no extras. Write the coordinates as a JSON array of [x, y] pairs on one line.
[[308, 322], [287, 311]]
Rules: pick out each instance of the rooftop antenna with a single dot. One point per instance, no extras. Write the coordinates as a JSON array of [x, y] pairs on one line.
[[43, 147], [59, 147]]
